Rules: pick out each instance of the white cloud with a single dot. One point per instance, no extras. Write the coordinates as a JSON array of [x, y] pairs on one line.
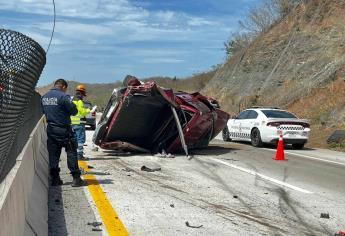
[[117, 20], [196, 21], [162, 60]]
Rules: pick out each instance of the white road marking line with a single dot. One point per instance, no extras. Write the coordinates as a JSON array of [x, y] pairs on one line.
[[251, 172], [309, 157]]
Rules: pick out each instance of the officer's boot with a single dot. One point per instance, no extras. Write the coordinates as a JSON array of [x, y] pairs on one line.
[[55, 177], [77, 181]]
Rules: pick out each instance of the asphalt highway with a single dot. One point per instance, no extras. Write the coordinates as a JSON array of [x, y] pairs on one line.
[[225, 189]]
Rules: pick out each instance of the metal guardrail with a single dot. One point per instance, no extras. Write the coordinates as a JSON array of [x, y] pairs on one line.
[[21, 64]]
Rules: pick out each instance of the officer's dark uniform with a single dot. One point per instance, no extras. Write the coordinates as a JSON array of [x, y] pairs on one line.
[[58, 107]]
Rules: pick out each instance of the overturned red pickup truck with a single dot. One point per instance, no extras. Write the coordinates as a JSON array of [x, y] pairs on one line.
[[144, 117]]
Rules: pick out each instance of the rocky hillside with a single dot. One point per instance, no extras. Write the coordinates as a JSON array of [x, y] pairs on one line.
[[98, 94], [298, 64]]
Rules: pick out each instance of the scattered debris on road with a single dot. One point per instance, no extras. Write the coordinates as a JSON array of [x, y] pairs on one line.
[[229, 159], [82, 171], [191, 226], [94, 224], [235, 196], [127, 169], [172, 205], [324, 215], [90, 167], [164, 155], [151, 168], [96, 229]]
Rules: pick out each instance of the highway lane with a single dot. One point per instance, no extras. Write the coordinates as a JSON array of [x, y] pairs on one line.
[[228, 188]]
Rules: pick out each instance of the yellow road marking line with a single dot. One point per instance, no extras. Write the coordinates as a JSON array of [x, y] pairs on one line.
[[110, 219]]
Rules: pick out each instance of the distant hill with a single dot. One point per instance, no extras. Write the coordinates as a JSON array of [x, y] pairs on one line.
[[99, 94]]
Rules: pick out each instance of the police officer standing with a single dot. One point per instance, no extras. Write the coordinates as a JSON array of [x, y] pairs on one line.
[[58, 107]]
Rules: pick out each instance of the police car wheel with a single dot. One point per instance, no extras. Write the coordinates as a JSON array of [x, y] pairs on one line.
[[225, 134], [255, 138]]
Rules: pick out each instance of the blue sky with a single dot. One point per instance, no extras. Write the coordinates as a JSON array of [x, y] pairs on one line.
[[103, 40]]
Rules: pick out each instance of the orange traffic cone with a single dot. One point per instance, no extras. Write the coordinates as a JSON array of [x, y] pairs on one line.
[[280, 150]]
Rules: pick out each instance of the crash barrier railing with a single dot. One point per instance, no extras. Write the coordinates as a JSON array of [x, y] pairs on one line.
[[24, 191], [21, 64]]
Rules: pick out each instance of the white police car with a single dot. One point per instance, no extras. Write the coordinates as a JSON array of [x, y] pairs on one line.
[[261, 125]]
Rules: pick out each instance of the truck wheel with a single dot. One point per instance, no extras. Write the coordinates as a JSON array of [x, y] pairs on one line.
[[225, 134], [255, 138]]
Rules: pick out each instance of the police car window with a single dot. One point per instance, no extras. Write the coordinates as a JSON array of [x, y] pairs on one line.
[[252, 115], [277, 114], [243, 115]]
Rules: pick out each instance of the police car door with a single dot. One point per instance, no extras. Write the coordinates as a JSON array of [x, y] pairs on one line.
[[238, 124], [248, 123]]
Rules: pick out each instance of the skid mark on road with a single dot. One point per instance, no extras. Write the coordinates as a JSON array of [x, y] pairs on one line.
[[251, 172], [109, 216]]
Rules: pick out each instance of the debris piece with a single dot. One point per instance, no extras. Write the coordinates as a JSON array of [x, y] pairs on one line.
[[127, 169], [150, 167], [96, 229], [164, 155], [235, 196], [324, 215], [128, 175], [82, 171], [95, 223], [229, 159], [265, 193], [94, 148], [90, 167], [172, 205], [169, 155], [85, 144], [191, 226]]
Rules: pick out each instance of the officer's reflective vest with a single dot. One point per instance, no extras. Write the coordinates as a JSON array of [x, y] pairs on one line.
[[79, 118]]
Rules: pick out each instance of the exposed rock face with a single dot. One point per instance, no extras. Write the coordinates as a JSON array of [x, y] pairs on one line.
[[295, 59]]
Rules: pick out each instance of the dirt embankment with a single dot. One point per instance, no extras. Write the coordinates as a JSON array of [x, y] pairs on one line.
[[298, 64]]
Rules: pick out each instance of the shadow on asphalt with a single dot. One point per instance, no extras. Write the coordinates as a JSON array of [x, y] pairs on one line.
[[94, 182], [214, 149], [97, 173], [103, 158], [98, 182], [56, 213], [270, 146]]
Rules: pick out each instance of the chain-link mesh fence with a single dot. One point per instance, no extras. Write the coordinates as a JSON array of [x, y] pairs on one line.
[[21, 64]]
